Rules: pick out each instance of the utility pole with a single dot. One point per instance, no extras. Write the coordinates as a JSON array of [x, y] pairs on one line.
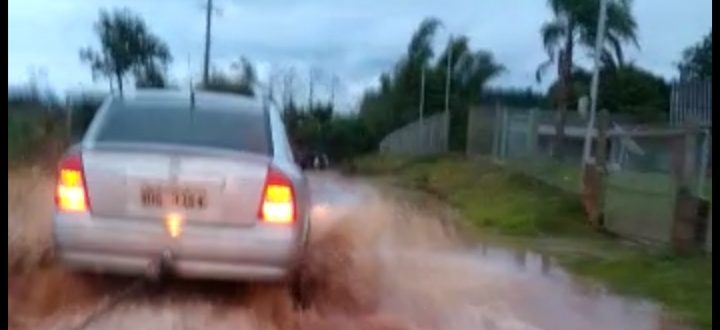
[[190, 75], [311, 78], [206, 63], [448, 73], [599, 38], [422, 94], [333, 85], [420, 142]]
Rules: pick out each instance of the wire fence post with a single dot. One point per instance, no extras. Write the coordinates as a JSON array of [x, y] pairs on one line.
[[532, 134], [593, 175], [504, 133], [602, 138], [708, 240], [497, 127], [705, 151], [469, 134], [685, 213]]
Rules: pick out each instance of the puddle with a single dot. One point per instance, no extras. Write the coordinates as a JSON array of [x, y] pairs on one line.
[[427, 275]]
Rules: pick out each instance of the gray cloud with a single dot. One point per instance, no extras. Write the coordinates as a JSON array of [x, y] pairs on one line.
[[356, 40]]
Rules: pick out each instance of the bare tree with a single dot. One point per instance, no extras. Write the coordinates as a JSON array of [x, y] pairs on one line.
[[272, 85], [316, 77], [127, 46], [289, 85], [334, 84]]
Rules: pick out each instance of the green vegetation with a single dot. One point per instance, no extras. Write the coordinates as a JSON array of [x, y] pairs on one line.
[[563, 175], [395, 102], [319, 129], [682, 283], [23, 133], [629, 90], [38, 126], [696, 63], [241, 78], [634, 91], [32, 133], [509, 205], [489, 196], [127, 46], [574, 23]]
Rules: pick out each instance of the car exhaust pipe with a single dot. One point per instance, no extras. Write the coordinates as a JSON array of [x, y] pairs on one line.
[[161, 267]]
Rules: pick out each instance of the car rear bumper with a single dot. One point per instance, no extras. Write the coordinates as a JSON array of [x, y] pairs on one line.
[[129, 246]]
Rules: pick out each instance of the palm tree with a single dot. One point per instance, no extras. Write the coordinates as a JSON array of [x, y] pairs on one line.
[[470, 70], [420, 49], [575, 22]]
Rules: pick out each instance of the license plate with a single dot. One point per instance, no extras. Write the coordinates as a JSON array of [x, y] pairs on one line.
[[172, 197]]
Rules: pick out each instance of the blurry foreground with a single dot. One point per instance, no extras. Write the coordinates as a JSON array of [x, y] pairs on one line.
[[378, 261]]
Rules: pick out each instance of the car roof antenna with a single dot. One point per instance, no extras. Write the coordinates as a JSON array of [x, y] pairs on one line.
[[192, 98], [192, 88]]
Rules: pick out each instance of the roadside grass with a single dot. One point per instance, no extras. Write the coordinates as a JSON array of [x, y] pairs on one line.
[[23, 132], [683, 284], [489, 196], [505, 203], [564, 175], [34, 136], [36, 139]]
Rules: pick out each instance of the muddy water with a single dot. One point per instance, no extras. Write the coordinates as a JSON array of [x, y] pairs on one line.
[[376, 262]]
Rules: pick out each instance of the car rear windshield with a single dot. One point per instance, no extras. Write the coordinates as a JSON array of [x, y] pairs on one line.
[[234, 129]]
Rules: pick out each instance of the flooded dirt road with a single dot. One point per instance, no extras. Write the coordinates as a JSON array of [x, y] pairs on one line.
[[377, 261]]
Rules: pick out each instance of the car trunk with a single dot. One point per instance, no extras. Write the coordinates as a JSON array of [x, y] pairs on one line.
[[203, 187]]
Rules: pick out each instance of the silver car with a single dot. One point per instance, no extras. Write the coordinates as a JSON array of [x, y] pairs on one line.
[[203, 181]]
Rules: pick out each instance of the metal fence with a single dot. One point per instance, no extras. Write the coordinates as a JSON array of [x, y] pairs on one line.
[[708, 240], [426, 137], [523, 139], [691, 102], [644, 176], [643, 193]]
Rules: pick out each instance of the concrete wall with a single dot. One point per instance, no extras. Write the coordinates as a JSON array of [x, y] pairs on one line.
[[426, 138]]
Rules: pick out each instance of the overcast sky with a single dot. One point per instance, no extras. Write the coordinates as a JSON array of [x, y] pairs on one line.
[[355, 40]]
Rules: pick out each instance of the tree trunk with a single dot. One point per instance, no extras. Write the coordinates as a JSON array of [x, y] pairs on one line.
[[110, 81], [562, 108], [118, 76], [564, 92]]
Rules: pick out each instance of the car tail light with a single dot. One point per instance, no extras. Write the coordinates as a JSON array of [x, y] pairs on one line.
[[278, 199], [71, 193]]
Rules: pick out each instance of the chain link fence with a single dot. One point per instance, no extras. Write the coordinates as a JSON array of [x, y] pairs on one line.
[[653, 177], [656, 182], [523, 139]]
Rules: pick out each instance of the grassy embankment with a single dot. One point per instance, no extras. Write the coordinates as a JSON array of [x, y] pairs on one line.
[[35, 136], [501, 203]]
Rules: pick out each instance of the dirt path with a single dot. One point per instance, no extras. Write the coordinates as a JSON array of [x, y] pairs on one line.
[[377, 261]]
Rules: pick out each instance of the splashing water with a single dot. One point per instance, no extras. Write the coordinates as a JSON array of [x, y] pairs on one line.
[[375, 262]]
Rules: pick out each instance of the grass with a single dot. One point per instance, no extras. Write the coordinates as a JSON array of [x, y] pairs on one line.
[[23, 132], [499, 201], [564, 175], [33, 133], [683, 284], [488, 196]]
